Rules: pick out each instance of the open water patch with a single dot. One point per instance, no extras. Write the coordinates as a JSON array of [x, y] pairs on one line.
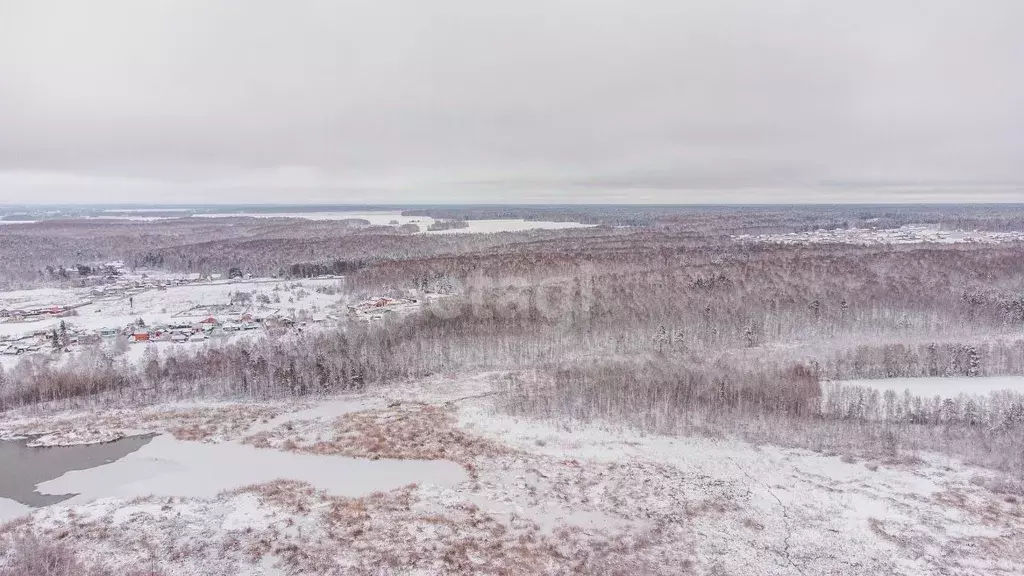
[[23, 467]]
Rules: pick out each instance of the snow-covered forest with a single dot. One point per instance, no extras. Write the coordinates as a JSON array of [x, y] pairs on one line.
[[659, 321]]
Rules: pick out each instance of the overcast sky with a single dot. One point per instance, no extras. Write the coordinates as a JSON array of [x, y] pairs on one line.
[[511, 100]]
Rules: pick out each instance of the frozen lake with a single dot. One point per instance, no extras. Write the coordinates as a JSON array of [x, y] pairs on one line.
[[396, 218], [170, 467], [375, 218], [509, 225], [22, 467], [945, 387], [164, 466]]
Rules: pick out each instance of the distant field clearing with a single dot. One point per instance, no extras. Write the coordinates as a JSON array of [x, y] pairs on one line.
[[944, 387]]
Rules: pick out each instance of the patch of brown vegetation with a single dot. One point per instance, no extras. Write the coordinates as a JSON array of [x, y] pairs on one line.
[[404, 432], [307, 531], [206, 423], [172, 534], [13, 526], [999, 484], [987, 508], [878, 527], [194, 424], [260, 439], [27, 554], [291, 495], [717, 505], [753, 524], [397, 531]]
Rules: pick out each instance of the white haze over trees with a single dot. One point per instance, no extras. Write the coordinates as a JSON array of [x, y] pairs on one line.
[[555, 100]]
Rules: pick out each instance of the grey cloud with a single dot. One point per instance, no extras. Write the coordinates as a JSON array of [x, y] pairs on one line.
[[552, 99]]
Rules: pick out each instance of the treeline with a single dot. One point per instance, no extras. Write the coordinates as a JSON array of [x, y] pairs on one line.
[[775, 403], [996, 411], [712, 298], [34, 254], [315, 269], [438, 225], [665, 396], [934, 359], [748, 219], [269, 246], [297, 365]]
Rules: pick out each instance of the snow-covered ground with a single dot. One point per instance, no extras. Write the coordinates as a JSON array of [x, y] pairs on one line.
[[945, 387], [315, 299], [167, 305], [909, 234], [531, 497]]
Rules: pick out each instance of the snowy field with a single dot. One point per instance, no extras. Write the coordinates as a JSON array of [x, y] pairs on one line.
[[429, 478], [944, 387], [168, 305]]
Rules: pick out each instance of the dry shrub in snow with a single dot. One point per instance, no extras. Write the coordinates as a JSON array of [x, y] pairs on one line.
[[291, 495], [226, 422], [296, 529], [1000, 485], [398, 531], [27, 554], [405, 432], [196, 424]]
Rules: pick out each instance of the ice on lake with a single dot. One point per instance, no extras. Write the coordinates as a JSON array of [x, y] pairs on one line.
[[170, 467], [165, 466], [23, 467], [509, 225], [375, 218], [393, 218]]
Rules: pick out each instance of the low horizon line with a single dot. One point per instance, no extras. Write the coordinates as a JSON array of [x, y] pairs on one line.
[[500, 204]]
